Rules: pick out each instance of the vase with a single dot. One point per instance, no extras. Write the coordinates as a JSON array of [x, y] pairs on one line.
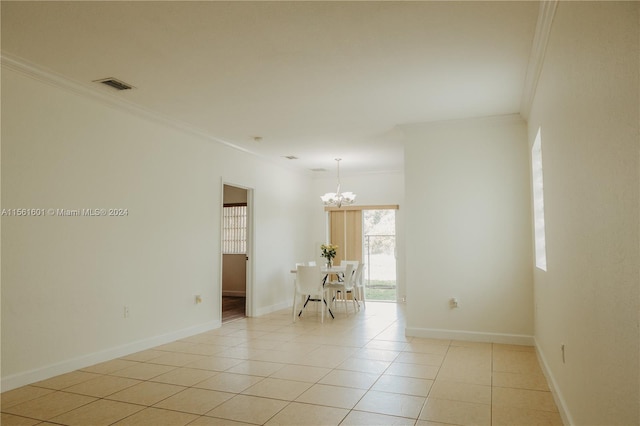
[[329, 263]]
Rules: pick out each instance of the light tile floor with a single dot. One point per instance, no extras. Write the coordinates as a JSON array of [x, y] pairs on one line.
[[357, 369]]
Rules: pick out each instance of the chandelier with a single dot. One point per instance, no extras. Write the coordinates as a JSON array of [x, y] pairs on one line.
[[338, 198]]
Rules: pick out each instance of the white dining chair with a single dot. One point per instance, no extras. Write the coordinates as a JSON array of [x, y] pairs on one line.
[[342, 286], [358, 286], [355, 263], [308, 288], [358, 281], [297, 264]]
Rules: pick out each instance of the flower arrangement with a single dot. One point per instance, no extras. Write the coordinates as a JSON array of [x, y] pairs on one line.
[[329, 252]]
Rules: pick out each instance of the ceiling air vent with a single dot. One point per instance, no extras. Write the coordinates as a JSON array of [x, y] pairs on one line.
[[318, 170], [116, 84], [290, 157]]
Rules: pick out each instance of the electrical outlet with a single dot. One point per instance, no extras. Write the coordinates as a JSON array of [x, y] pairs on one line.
[[126, 312], [453, 302]]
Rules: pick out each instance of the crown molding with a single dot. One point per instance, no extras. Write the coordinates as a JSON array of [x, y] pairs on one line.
[[49, 77], [546, 13], [489, 120]]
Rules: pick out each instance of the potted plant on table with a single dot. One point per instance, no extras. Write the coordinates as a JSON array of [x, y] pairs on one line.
[[329, 252]]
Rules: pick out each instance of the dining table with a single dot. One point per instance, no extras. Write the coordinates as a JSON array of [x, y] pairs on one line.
[[325, 272]]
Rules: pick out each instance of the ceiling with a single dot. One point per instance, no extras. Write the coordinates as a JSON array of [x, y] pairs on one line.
[[316, 80]]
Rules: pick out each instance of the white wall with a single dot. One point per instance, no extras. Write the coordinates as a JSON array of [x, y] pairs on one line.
[[468, 223], [65, 280], [234, 275], [587, 106]]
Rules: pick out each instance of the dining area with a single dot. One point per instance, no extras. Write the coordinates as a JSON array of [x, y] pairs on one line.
[[325, 287]]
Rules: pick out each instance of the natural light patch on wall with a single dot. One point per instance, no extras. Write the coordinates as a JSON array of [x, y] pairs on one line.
[[538, 203]]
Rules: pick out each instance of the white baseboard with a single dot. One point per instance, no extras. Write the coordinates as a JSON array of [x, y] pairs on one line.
[[567, 419], [272, 308], [21, 379], [473, 336], [234, 293]]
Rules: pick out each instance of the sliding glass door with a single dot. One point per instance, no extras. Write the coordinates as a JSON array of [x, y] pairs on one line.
[[368, 234], [379, 249]]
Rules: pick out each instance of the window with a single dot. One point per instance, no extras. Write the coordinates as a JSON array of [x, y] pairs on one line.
[[538, 203], [234, 229]]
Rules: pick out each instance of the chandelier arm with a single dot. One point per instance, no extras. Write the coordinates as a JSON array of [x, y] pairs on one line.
[[338, 199]]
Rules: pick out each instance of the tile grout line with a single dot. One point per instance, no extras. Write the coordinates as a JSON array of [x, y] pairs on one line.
[[444, 358], [491, 388], [382, 340], [381, 374]]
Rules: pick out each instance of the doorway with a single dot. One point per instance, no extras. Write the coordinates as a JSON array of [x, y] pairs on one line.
[[379, 253], [368, 234], [235, 252]]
